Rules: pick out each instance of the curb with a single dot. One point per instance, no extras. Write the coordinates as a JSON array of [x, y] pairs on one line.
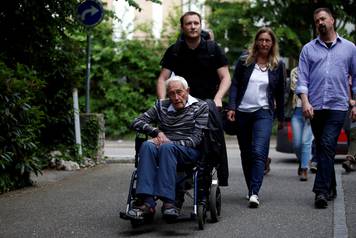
[[119, 160]]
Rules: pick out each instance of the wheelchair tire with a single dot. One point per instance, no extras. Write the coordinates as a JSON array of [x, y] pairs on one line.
[[201, 216], [215, 202]]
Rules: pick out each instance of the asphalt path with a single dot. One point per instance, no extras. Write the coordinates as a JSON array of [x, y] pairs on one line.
[[87, 203]]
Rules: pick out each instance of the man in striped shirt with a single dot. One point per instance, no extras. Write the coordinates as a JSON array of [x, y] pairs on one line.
[[180, 121]]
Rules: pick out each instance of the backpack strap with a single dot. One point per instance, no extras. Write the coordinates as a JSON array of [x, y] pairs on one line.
[[176, 47], [210, 44]]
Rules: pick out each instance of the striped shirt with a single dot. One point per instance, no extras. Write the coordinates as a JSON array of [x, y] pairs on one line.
[[183, 127]]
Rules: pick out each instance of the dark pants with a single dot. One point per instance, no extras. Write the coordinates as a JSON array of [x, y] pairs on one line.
[[253, 134], [326, 126]]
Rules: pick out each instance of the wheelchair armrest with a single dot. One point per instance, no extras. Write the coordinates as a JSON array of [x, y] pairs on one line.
[[139, 139]]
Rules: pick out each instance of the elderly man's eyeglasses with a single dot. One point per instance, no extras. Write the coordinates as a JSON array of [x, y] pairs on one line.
[[178, 92]]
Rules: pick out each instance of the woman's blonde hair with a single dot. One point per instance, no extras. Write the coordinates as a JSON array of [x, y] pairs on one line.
[[273, 55]]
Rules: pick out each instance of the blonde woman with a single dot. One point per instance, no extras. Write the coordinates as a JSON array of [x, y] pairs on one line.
[[302, 132], [256, 97]]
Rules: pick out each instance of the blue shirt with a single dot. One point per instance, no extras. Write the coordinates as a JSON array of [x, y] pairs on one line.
[[323, 73]]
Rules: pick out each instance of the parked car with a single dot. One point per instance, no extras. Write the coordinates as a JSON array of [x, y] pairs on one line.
[[285, 139]]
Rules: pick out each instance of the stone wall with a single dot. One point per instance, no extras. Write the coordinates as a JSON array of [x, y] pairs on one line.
[[93, 126]]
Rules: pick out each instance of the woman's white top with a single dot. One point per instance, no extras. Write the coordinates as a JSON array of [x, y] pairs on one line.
[[256, 93]]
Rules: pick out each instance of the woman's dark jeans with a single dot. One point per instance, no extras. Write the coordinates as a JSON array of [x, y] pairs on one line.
[[253, 134]]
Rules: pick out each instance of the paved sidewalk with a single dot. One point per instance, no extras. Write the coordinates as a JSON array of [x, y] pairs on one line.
[[124, 151], [52, 182], [119, 151]]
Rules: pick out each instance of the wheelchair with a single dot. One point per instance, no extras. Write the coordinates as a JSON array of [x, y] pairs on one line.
[[206, 192]]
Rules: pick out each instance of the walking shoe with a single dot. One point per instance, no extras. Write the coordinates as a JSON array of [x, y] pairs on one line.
[[170, 211], [313, 166], [141, 212], [253, 202], [303, 174], [349, 164], [267, 165], [320, 201]]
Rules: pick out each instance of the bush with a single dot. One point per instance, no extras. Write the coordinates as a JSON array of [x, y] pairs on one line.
[[20, 125], [123, 81], [124, 104], [92, 135]]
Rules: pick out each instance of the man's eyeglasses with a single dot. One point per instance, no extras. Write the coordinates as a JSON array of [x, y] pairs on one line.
[[178, 92]]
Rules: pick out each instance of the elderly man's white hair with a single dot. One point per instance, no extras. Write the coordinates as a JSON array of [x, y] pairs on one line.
[[177, 79]]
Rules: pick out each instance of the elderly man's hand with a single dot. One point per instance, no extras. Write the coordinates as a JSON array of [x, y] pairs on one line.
[[161, 139]]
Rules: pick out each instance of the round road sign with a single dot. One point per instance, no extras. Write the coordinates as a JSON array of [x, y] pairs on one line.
[[90, 12]]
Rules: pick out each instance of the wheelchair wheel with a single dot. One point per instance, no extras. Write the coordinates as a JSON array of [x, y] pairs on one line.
[[215, 202], [201, 216]]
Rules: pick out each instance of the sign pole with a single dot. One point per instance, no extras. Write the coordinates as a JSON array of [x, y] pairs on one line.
[[78, 139], [89, 13], [87, 76]]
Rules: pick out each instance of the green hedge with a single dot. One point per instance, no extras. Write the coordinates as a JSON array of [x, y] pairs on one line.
[[20, 125]]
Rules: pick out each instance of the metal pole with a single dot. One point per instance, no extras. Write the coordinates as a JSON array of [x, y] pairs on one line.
[[78, 140], [87, 77]]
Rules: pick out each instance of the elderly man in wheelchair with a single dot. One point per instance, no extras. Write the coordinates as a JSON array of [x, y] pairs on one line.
[[180, 122]]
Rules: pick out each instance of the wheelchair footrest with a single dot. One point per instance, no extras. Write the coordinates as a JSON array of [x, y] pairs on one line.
[[184, 217], [125, 216], [181, 218]]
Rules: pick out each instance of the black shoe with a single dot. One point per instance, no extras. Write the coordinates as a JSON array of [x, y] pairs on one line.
[[349, 165], [321, 201]]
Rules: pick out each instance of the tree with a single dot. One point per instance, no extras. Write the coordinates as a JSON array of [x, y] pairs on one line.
[[41, 60], [135, 5], [232, 27], [38, 65], [235, 23], [123, 80]]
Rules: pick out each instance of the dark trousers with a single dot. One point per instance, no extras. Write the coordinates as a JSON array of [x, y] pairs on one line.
[[253, 134], [326, 127]]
